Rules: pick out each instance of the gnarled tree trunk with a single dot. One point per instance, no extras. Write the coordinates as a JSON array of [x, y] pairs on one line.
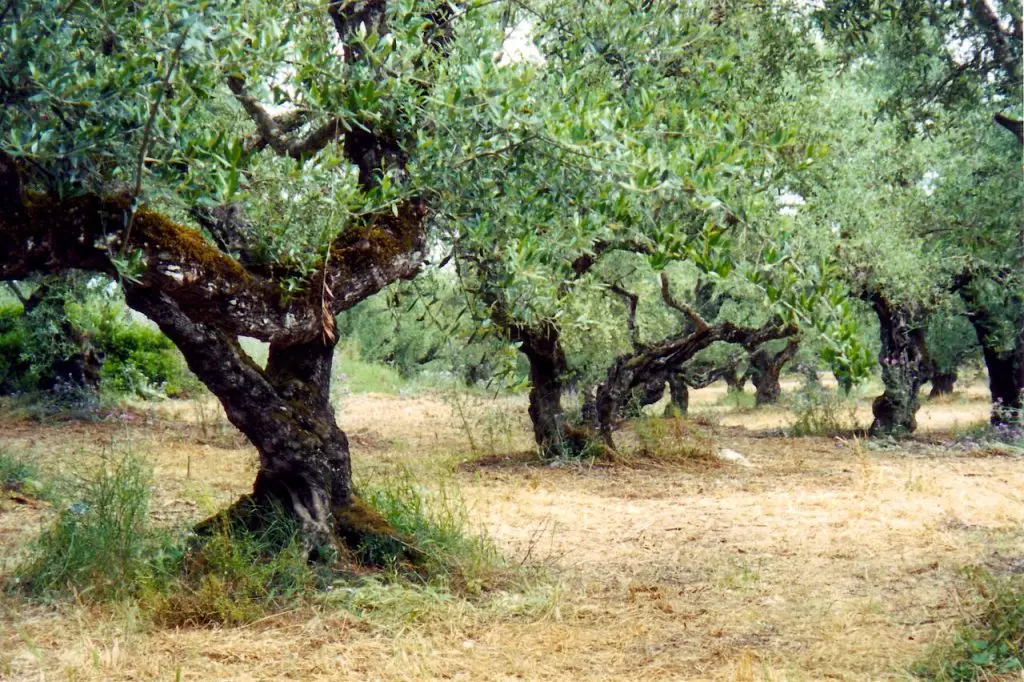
[[1005, 363], [680, 394], [203, 300], [283, 410], [942, 384], [668, 356], [734, 379], [767, 368], [646, 393], [542, 347], [904, 361]]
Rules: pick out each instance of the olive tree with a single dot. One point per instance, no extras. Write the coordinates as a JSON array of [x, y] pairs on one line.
[[949, 74], [671, 131], [253, 171]]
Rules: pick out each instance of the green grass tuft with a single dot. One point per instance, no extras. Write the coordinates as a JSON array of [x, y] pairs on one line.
[[990, 644], [435, 522], [23, 476], [822, 412], [98, 547], [233, 577]]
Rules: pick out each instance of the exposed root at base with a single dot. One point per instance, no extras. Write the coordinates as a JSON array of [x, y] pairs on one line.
[[361, 534]]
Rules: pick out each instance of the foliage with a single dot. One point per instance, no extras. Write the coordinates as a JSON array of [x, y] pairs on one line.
[[951, 341], [991, 641], [20, 474], [436, 523], [673, 439], [932, 54], [354, 374], [139, 360], [86, 317]]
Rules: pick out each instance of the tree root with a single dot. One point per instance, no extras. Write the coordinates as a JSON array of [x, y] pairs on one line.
[[361, 534]]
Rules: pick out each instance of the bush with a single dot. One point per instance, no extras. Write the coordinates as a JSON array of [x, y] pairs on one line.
[[101, 548], [139, 360], [98, 547], [673, 439], [83, 333], [20, 475], [991, 642]]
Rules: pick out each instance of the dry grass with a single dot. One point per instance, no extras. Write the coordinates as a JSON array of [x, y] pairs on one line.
[[827, 560]]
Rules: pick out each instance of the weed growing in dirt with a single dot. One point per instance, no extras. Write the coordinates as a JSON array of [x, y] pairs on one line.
[[671, 439], [101, 548], [1008, 434], [990, 644], [22, 475], [99, 544], [741, 401], [820, 412]]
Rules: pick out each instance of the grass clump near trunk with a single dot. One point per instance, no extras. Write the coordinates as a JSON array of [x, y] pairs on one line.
[[102, 548], [671, 440], [990, 644], [232, 576], [821, 412], [435, 523]]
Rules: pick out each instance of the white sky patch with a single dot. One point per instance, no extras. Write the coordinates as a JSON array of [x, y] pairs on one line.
[[789, 202], [518, 46], [928, 182]]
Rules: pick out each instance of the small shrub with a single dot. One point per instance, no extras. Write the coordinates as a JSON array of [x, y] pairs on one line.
[[820, 412], [74, 331], [1007, 436], [14, 471], [98, 545], [991, 643], [740, 400], [139, 360]]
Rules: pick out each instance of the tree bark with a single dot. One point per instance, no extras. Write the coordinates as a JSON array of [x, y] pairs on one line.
[[904, 361], [647, 393], [767, 368], [1006, 382], [542, 346], [1005, 365], [942, 384], [680, 393], [202, 299], [285, 412]]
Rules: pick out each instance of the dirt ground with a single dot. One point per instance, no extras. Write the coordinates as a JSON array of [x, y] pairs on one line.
[[829, 558]]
